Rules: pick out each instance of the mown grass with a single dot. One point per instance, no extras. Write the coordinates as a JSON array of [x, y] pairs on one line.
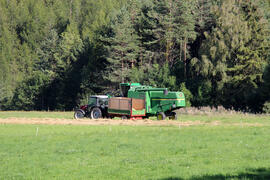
[[134, 152], [222, 117], [36, 114], [227, 118]]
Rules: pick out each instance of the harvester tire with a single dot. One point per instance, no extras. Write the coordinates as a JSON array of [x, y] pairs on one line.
[[173, 116], [124, 117], [79, 114], [96, 113], [161, 116]]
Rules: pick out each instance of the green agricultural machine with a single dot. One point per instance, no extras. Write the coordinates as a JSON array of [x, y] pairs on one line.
[[144, 101]]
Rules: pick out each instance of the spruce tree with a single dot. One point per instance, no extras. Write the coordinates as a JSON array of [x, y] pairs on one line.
[[218, 49], [247, 68], [166, 28], [122, 48], [233, 55]]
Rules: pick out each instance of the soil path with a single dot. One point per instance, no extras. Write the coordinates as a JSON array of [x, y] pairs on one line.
[[145, 122]]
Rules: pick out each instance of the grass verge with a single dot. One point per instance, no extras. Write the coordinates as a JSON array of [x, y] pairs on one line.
[[127, 152], [36, 114]]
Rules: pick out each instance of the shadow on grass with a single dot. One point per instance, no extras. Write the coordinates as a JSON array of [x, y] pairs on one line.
[[250, 174]]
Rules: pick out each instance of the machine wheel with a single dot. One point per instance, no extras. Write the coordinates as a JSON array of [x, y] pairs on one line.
[[96, 113], [124, 117], [79, 114], [173, 116], [161, 116]]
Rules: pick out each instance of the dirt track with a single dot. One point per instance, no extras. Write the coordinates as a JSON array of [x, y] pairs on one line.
[[102, 122], [145, 122]]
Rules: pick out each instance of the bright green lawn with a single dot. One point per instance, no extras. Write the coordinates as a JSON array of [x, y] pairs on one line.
[[134, 152], [36, 114]]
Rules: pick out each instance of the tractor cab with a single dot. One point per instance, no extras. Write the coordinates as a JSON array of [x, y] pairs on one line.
[[126, 86], [98, 100]]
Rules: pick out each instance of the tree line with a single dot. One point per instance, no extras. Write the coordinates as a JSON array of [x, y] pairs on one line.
[[53, 53]]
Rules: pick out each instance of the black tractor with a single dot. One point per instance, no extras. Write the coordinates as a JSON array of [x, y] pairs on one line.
[[96, 108]]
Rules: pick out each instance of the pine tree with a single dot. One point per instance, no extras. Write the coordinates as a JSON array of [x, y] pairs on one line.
[[47, 61], [218, 48], [166, 28], [10, 73], [123, 48], [233, 55], [247, 68], [154, 75], [71, 44], [184, 21]]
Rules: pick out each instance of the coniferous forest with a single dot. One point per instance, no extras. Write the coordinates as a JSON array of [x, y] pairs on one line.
[[55, 53]]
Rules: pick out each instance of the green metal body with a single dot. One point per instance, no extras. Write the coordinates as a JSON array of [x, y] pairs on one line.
[[156, 99]]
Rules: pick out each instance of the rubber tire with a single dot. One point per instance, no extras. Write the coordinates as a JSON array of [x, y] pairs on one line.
[[79, 114], [173, 116], [161, 116], [124, 117], [95, 113]]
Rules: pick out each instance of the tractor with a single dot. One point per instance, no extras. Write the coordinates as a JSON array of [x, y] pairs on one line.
[[136, 102], [96, 108]]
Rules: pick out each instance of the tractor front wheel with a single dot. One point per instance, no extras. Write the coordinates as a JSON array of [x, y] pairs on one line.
[[96, 113], [79, 114], [161, 116]]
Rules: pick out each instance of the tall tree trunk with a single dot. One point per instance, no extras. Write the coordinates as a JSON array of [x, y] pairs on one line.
[[181, 49], [132, 12], [202, 9], [168, 45], [185, 58], [167, 51], [70, 8], [122, 68]]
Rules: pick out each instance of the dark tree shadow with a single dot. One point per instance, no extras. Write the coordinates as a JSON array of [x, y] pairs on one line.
[[250, 174], [64, 92]]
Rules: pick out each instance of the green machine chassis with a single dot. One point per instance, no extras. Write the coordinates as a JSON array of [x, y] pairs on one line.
[[157, 101]]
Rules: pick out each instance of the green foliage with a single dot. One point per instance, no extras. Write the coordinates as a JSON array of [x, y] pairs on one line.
[[266, 107], [234, 54], [218, 49], [165, 28], [28, 95], [48, 54], [122, 48], [70, 47], [187, 93], [50, 38], [154, 75]]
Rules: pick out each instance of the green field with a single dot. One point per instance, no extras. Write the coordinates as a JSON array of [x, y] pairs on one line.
[[138, 152], [36, 114], [222, 117]]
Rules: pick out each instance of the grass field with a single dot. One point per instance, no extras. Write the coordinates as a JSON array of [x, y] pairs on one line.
[[36, 114], [137, 152], [222, 117]]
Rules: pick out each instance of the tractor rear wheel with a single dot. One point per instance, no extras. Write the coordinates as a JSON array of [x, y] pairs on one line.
[[96, 113], [161, 116]]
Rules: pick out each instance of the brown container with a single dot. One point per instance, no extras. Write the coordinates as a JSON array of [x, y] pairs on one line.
[[138, 104], [120, 103]]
